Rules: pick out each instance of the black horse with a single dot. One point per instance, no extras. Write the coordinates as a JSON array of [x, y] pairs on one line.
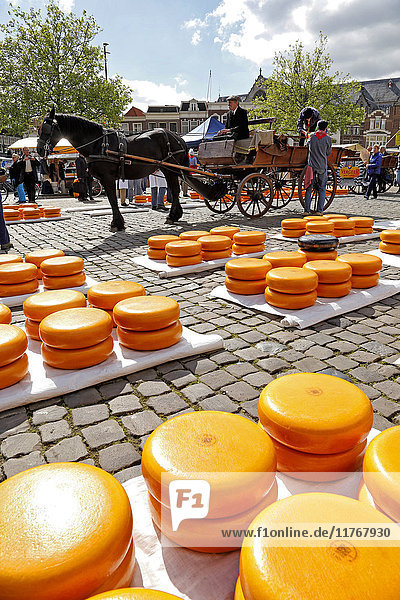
[[92, 140]]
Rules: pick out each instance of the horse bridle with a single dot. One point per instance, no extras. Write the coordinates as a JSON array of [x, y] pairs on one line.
[[47, 128]]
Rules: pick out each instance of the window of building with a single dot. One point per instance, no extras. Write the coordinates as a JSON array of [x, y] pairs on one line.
[[163, 125], [125, 127], [152, 125], [383, 126], [372, 123], [377, 138], [377, 123], [193, 106], [173, 127], [137, 127], [194, 124], [184, 126], [356, 130]]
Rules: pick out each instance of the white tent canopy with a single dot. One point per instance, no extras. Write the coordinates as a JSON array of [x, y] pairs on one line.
[[31, 143]]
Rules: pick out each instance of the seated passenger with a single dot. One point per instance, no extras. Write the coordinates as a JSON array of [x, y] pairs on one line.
[[237, 124]]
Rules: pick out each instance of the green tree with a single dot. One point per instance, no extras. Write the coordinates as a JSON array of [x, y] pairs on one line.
[[50, 59], [301, 79]]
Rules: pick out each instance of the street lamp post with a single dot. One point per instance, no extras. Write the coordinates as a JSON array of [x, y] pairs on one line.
[[105, 44]]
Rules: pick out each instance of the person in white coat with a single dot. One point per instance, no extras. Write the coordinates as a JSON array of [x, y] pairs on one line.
[[158, 186]]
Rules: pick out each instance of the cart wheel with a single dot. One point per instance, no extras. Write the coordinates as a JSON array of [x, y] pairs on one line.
[[255, 195], [330, 189], [284, 183], [97, 188], [388, 178], [225, 203], [359, 189]]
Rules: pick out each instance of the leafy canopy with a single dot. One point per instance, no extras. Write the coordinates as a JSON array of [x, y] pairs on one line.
[[51, 59]]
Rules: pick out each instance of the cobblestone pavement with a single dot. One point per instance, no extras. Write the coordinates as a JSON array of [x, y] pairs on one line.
[[107, 425]]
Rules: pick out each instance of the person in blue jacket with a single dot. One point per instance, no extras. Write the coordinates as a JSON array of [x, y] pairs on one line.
[[374, 169]]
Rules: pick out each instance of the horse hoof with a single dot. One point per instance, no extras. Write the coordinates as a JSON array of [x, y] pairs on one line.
[[169, 221], [113, 229]]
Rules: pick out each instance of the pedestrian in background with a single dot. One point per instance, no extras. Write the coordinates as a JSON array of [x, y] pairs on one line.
[[374, 169], [14, 172], [158, 186], [28, 173], [61, 177]]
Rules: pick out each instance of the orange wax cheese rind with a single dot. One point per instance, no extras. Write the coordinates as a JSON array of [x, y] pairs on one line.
[[146, 313], [10, 258], [19, 272], [109, 312], [213, 243], [134, 594], [146, 341], [39, 306], [293, 224], [232, 453], [361, 264], [183, 248], [363, 495], [32, 329], [334, 290], [284, 258], [19, 289], [74, 328], [205, 255], [319, 227], [364, 281], [78, 358], [330, 271], [362, 221], [238, 591], [335, 216], [290, 301], [316, 413], [389, 248], [38, 256], [155, 254], [5, 315], [241, 249], [123, 574], [344, 224], [292, 233], [320, 218], [292, 280], [158, 242], [68, 281], [391, 235], [60, 266], [10, 374], [193, 236], [228, 230], [249, 238], [108, 293], [310, 256], [363, 230], [13, 343], [247, 269], [246, 288], [184, 261]]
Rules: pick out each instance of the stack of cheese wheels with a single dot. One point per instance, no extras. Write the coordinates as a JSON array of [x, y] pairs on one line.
[[30, 213], [107, 294], [39, 306], [293, 228], [248, 242], [38, 256], [5, 315], [11, 214], [148, 322], [390, 241], [50, 212], [10, 258], [316, 255], [13, 358], [334, 216], [319, 424], [141, 199], [231, 453], [134, 594], [18, 279], [62, 272], [74, 522], [215, 246], [157, 243], [362, 224], [320, 226], [246, 275], [343, 227], [298, 569], [194, 235], [76, 338], [334, 278], [41, 211], [291, 288], [365, 269], [183, 252], [284, 258], [228, 230]]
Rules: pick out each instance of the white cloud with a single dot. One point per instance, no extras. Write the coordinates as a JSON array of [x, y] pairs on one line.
[[149, 92], [66, 5], [196, 38]]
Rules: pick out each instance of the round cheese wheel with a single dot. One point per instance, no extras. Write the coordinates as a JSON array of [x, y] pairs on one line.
[[158, 242], [246, 288], [32, 329], [389, 248], [5, 315], [17, 272], [363, 495], [361, 264], [79, 358], [10, 258], [319, 227], [61, 266], [150, 340], [73, 521], [28, 205], [287, 569], [183, 248], [206, 255], [10, 374], [249, 238], [156, 254], [213, 243], [108, 293], [335, 216], [74, 328], [19, 289], [364, 281], [247, 269], [343, 224], [13, 343], [330, 271], [218, 445], [38, 256], [362, 221], [318, 242], [122, 576], [241, 249], [284, 258], [290, 301], [228, 230], [292, 233], [59, 283], [109, 312], [320, 218], [183, 261], [193, 235], [238, 591], [332, 255], [39, 306], [134, 594], [293, 224], [315, 413], [30, 213], [292, 280], [363, 230], [11, 218], [146, 313], [334, 290], [391, 235], [47, 212]]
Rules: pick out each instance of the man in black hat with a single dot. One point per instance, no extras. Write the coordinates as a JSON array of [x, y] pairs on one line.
[[237, 124], [307, 122]]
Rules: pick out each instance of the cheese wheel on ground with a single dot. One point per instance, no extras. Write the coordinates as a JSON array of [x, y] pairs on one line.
[[150, 340], [61, 266], [293, 224], [10, 218], [28, 205], [32, 329], [228, 230], [334, 290], [30, 213], [361, 264], [315, 413], [193, 235], [158, 242], [288, 569], [38, 256], [19, 289], [364, 281], [249, 238], [247, 269], [58, 283], [330, 271], [134, 594], [284, 258], [13, 343], [218, 445], [5, 315], [343, 224], [363, 230], [11, 374], [319, 227], [246, 288], [331, 255], [318, 242], [109, 312], [241, 249], [123, 575], [146, 313], [49, 213], [290, 301], [238, 591], [389, 248], [74, 328], [10, 258], [320, 218], [391, 235], [79, 358], [41, 305], [214, 243], [73, 521], [183, 248], [362, 221], [363, 495], [292, 280], [292, 233], [11, 273], [335, 216], [205, 255], [183, 261], [108, 293], [156, 254]]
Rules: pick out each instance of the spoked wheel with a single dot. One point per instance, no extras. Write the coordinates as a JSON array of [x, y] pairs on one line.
[[358, 189], [4, 192], [388, 178], [97, 188], [255, 195], [224, 203], [330, 190], [284, 183]]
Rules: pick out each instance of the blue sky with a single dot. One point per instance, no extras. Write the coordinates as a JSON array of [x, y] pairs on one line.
[[166, 48]]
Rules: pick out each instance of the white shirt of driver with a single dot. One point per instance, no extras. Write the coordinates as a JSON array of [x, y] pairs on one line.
[[28, 167]]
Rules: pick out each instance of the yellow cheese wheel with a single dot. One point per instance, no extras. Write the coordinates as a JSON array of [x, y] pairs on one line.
[[246, 288], [73, 521], [184, 261], [13, 343], [122, 576], [38, 256], [28, 205], [5, 315], [79, 358], [231, 452], [363, 495], [10, 258], [193, 235], [39, 306], [134, 594], [316, 413], [9, 375], [74, 328], [59, 283], [331, 255], [146, 313], [19, 289], [11, 218], [320, 218], [284, 258], [156, 254], [364, 281], [391, 235], [108, 293], [293, 233], [213, 243], [228, 230], [343, 224], [30, 213], [19, 272], [334, 290], [49, 213], [319, 227], [249, 238], [329, 570], [293, 224], [238, 591], [292, 280], [109, 312], [363, 230], [32, 329], [241, 249], [361, 264], [211, 255], [183, 248], [362, 221], [150, 340], [330, 271], [247, 269], [290, 301], [158, 242], [61, 266], [389, 248], [335, 216]]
